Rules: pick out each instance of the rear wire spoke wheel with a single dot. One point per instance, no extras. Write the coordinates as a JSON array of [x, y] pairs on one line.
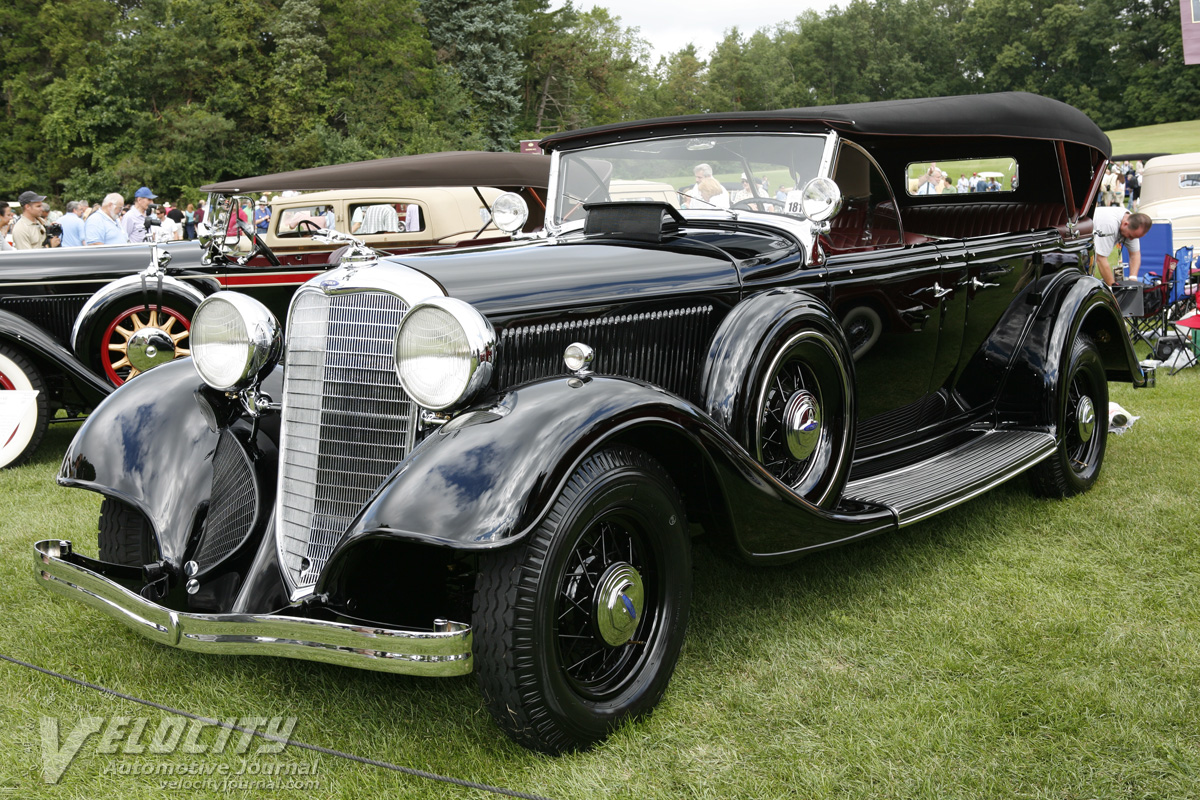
[[578, 628], [802, 427], [1082, 426], [18, 373], [142, 338]]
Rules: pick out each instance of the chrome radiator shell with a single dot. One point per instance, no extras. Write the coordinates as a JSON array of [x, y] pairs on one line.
[[346, 421]]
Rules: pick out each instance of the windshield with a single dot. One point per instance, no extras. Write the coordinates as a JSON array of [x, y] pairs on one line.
[[758, 172]]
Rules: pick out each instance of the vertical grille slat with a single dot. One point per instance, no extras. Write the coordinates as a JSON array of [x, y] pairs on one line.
[[346, 421]]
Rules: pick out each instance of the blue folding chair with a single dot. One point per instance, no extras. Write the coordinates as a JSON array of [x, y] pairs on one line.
[[1179, 301], [1156, 244]]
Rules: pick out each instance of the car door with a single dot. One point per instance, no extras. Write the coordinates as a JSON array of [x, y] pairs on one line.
[[891, 301]]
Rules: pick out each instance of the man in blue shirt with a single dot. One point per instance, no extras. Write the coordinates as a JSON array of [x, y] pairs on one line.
[[135, 219], [262, 215], [102, 226], [72, 224]]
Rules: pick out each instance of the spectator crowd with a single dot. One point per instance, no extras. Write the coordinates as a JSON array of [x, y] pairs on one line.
[[30, 224]]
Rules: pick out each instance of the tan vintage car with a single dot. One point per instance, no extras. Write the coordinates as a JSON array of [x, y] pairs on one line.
[[430, 217], [1171, 192]]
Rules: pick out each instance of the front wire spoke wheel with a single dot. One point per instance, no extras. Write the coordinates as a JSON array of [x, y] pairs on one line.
[[578, 628]]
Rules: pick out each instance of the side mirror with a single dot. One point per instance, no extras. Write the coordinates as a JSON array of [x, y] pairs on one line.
[[509, 212]]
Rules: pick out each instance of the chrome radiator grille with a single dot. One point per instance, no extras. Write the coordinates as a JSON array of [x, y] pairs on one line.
[[346, 421]]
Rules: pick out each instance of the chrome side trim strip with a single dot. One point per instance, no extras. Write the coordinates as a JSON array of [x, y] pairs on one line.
[[432, 653]]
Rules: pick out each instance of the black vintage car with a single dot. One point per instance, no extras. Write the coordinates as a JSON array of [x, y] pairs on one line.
[[495, 460], [75, 322]]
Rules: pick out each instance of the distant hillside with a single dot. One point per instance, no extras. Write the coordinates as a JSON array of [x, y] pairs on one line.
[[1172, 137]]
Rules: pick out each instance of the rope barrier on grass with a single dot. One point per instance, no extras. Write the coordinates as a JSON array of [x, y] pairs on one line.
[[286, 741]]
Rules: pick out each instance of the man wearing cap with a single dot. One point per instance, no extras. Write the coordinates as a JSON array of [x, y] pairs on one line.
[[72, 224], [29, 233], [103, 226], [135, 220], [1114, 226]]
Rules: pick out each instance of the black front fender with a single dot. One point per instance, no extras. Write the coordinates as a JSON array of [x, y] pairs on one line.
[[151, 444], [50, 356]]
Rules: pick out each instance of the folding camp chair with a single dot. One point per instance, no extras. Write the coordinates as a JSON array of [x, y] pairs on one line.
[[1146, 306], [1180, 300], [1189, 328]]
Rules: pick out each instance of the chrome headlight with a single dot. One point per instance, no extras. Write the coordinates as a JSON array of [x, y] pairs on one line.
[[444, 353], [235, 341]]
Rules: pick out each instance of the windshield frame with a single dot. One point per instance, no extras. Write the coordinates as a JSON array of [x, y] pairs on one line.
[[557, 190]]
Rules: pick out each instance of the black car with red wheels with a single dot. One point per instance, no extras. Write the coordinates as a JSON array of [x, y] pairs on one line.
[[496, 460], [77, 322]]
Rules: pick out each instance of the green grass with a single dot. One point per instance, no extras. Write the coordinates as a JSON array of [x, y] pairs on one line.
[[1013, 647], [1171, 137]]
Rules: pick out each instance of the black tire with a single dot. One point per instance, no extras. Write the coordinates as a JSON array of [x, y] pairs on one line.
[[802, 430], [557, 669], [125, 535], [18, 372], [1075, 464]]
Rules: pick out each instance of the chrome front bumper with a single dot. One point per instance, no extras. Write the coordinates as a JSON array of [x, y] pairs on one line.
[[435, 653]]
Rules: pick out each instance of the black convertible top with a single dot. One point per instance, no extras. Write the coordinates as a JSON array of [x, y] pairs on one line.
[[1006, 114], [451, 168]]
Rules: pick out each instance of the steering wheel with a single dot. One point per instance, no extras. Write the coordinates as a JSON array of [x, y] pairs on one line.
[[308, 226], [259, 248], [749, 201]]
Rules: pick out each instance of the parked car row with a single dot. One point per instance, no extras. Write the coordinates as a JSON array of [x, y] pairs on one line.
[[494, 460], [76, 322]]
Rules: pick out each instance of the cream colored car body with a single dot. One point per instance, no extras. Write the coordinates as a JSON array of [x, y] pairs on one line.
[[1171, 192], [445, 217]]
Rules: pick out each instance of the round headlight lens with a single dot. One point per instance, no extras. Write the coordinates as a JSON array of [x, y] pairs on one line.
[[509, 211], [444, 350], [821, 199], [235, 340]]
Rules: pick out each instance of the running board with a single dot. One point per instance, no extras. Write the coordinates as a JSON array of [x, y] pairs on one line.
[[935, 484]]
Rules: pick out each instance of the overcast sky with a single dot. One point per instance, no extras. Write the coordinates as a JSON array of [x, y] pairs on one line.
[[671, 24]]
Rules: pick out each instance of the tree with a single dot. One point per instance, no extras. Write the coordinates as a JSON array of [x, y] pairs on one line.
[[479, 42]]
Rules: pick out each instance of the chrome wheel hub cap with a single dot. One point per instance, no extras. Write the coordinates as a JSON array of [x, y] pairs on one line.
[[802, 424], [1085, 418], [150, 347], [620, 600]]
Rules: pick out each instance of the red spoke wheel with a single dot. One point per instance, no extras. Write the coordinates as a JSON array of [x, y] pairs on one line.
[[142, 338]]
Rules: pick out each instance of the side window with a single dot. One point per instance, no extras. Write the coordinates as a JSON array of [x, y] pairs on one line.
[[370, 218], [303, 221], [869, 218], [965, 176]]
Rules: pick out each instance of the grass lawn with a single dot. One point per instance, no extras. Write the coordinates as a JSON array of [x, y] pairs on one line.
[[1171, 137], [1012, 647]]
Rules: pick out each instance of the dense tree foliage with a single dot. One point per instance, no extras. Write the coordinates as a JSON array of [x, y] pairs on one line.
[[102, 95]]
